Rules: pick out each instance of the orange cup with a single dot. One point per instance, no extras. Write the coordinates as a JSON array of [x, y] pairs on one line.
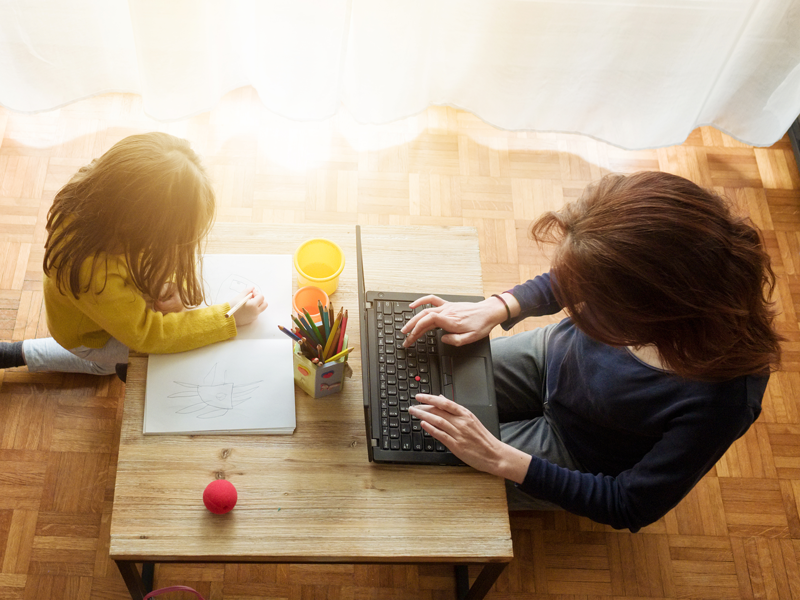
[[308, 297]]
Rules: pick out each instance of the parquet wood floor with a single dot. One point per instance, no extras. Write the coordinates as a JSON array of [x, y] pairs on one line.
[[737, 535]]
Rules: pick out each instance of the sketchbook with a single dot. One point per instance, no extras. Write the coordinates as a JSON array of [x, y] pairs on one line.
[[241, 386]]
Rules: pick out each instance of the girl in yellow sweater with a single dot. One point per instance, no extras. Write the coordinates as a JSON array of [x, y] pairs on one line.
[[120, 264]]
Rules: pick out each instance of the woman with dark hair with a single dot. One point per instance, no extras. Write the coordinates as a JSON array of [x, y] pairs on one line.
[[616, 412]]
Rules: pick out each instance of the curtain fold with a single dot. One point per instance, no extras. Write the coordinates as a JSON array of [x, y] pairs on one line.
[[637, 74]]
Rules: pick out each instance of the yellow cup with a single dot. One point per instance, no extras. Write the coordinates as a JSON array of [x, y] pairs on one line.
[[319, 262]]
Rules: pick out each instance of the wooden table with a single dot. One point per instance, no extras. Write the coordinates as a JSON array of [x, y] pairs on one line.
[[313, 497]]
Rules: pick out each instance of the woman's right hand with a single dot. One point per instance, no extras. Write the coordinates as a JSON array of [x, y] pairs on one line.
[[464, 322], [251, 309]]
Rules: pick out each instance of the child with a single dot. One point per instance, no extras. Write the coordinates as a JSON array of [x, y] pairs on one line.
[[616, 412], [124, 237]]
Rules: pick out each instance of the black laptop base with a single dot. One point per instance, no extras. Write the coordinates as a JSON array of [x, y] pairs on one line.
[[428, 366]]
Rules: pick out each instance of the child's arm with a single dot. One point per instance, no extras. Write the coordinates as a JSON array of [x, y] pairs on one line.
[[170, 300], [119, 309]]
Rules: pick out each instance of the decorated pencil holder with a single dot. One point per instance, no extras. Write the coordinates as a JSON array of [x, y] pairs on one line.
[[316, 380]]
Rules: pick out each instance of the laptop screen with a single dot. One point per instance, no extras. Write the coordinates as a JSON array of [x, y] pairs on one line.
[[364, 329]]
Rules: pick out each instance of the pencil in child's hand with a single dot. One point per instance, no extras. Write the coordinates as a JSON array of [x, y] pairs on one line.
[[239, 304]]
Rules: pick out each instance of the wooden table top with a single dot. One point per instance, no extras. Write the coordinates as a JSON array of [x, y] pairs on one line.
[[312, 496]]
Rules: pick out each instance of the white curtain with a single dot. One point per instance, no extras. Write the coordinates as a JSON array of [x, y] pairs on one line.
[[635, 73]]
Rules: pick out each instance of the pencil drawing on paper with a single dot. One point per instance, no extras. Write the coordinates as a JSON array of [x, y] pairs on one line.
[[232, 286], [215, 395]]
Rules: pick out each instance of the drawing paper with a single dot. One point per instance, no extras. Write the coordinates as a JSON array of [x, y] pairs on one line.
[[240, 386]]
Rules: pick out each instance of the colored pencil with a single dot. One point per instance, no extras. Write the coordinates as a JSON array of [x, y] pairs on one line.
[[303, 330], [323, 312], [334, 330], [312, 335], [239, 304], [344, 352], [342, 329], [291, 334], [314, 327], [306, 349]]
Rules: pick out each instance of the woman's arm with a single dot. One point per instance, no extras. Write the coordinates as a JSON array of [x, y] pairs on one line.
[[467, 322]]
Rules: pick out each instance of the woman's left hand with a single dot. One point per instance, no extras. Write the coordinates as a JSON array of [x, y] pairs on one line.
[[466, 437]]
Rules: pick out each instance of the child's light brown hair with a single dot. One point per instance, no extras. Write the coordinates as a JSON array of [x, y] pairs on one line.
[[148, 198], [652, 258]]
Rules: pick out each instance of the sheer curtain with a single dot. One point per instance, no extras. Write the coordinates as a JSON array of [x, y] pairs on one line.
[[635, 73]]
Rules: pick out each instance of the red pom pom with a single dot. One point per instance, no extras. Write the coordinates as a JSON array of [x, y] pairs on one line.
[[220, 496]]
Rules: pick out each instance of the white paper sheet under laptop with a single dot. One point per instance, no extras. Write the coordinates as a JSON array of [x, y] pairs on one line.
[[242, 386], [393, 375]]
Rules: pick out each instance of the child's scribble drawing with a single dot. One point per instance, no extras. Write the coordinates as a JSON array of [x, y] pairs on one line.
[[232, 286], [216, 396]]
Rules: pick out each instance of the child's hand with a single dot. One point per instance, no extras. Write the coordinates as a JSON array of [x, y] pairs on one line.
[[170, 301], [251, 309]]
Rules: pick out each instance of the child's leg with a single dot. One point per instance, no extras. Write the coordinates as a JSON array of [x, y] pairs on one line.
[[45, 354]]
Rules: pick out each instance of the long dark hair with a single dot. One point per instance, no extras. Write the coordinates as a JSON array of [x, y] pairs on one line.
[[148, 199], [653, 258]]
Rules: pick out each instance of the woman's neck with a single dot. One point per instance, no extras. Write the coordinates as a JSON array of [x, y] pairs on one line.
[[648, 354]]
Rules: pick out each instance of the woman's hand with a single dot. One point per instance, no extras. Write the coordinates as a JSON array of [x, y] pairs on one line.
[[170, 300], [466, 437], [464, 322], [249, 311]]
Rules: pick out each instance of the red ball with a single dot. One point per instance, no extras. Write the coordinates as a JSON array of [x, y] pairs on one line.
[[220, 496]]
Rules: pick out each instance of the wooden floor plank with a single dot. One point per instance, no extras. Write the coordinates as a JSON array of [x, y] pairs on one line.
[[736, 535]]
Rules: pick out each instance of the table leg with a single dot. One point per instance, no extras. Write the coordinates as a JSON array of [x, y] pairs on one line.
[[148, 574], [133, 580], [482, 585]]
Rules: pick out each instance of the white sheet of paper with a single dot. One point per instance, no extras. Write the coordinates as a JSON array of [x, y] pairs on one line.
[[244, 385], [228, 275], [225, 387]]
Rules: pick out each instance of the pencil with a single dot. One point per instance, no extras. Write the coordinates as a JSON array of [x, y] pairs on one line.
[[319, 352], [323, 312], [303, 329], [344, 352], [342, 329], [313, 332], [334, 330], [239, 304], [314, 327], [291, 334], [306, 349]]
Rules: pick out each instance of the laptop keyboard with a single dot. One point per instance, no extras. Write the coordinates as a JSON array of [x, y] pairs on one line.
[[403, 373]]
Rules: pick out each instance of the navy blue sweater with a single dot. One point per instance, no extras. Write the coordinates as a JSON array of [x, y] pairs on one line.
[[645, 436]]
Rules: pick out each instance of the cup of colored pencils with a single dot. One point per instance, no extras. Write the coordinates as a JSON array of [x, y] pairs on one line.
[[320, 350]]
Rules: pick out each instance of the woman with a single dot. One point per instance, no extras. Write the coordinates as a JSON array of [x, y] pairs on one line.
[[616, 412]]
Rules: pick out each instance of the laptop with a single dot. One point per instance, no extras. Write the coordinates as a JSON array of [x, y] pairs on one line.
[[393, 375]]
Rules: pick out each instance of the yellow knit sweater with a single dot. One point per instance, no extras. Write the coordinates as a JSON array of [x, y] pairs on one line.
[[113, 307]]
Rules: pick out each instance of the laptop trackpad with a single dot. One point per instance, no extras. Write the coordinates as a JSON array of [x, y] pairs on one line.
[[469, 381]]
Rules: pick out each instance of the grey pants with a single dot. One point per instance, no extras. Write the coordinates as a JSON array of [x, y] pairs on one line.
[[525, 421], [46, 354]]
